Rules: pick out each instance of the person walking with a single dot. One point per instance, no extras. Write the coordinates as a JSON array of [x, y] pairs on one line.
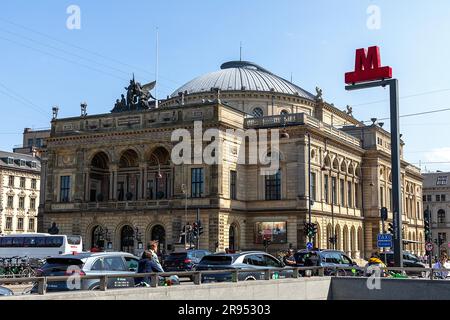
[[144, 266], [440, 265], [154, 260]]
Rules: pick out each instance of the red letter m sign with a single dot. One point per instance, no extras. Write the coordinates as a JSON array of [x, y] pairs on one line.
[[368, 67]]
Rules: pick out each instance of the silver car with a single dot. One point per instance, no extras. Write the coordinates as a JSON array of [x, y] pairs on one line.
[[90, 264]]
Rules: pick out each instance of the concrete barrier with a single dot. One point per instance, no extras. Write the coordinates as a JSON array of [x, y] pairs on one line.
[[390, 289], [282, 289]]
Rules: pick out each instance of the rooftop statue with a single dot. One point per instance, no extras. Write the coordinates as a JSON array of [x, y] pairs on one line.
[[319, 94], [138, 97]]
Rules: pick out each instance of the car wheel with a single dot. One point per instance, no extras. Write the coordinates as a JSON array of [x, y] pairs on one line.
[[95, 287], [250, 279]]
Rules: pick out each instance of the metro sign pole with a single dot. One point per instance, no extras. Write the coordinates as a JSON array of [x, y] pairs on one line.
[[369, 74]]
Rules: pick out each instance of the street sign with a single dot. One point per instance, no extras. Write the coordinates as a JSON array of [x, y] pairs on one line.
[[309, 246], [429, 246], [384, 240]]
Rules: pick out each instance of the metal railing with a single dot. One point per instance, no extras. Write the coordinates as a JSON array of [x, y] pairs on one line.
[[196, 276]]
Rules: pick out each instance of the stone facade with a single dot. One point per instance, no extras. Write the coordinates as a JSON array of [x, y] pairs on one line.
[[436, 198], [111, 177], [19, 193]]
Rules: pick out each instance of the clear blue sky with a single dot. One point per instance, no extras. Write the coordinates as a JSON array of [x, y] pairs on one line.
[[44, 64]]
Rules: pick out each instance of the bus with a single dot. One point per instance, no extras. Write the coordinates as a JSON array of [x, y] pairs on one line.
[[39, 245]]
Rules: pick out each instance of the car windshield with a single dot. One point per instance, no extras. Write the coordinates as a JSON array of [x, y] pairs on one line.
[[217, 260], [57, 264]]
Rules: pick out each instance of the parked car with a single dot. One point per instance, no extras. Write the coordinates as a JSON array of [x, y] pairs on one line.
[[183, 261], [409, 261], [91, 264], [254, 260], [5, 292], [332, 260]]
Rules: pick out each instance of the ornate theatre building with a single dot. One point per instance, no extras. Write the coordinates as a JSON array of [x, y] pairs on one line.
[[110, 177]]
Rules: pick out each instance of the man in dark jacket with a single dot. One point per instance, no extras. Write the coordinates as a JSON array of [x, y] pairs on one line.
[[144, 266]]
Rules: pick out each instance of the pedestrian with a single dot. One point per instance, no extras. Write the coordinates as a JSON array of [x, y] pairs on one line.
[[144, 266], [376, 262], [155, 264], [96, 249], [289, 259], [440, 265]]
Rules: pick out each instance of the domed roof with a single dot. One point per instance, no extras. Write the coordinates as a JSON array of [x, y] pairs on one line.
[[242, 76]]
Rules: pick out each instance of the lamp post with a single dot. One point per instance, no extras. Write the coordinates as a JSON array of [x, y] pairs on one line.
[[185, 192]]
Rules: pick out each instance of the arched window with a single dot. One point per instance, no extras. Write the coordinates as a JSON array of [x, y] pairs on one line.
[[127, 239], [441, 216], [284, 112], [258, 112]]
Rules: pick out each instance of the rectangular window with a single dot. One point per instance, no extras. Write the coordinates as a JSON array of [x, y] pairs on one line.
[[441, 180], [38, 142], [197, 182], [8, 224], [233, 180], [65, 189], [10, 161], [11, 181], [30, 142], [349, 194], [342, 191], [313, 186], [20, 224], [429, 198], [32, 203], [334, 190], [10, 204], [357, 204], [438, 197], [443, 197], [273, 186], [424, 198], [22, 203], [326, 188], [381, 197], [22, 182], [33, 184], [31, 224]]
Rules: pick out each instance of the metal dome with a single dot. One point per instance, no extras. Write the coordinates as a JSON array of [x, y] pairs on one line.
[[242, 76]]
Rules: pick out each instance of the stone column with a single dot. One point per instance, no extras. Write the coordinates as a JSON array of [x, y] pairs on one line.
[[114, 181], [86, 186]]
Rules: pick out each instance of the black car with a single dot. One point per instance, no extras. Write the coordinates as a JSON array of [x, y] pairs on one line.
[[183, 261], [335, 262], [253, 260], [409, 261]]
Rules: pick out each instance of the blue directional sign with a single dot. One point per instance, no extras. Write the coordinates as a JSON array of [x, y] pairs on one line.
[[309, 246], [384, 240]]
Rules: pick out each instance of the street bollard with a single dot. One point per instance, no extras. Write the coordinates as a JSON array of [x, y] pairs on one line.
[[308, 273], [197, 278], [42, 286], [234, 276], [154, 280], [321, 271], [103, 283]]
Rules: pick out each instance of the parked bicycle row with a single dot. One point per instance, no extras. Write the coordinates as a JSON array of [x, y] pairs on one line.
[[19, 267]]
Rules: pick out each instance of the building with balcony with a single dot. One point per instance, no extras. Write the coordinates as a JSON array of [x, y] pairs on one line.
[[111, 177], [436, 198], [19, 192]]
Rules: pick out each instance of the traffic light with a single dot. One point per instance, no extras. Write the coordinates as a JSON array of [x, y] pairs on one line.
[[427, 226], [313, 230], [391, 228], [200, 228], [195, 230]]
